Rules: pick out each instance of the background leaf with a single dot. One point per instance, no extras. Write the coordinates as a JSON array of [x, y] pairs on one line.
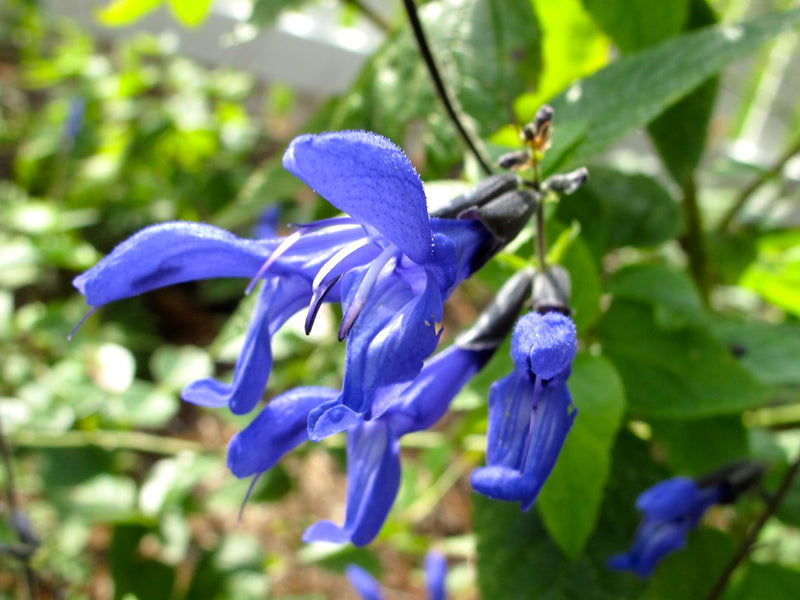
[[683, 374], [637, 24], [190, 13], [599, 110], [124, 12], [584, 462]]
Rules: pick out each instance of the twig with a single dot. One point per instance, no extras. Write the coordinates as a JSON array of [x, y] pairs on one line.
[[747, 192], [441, 90], [11, 494], [370, 14], [693, 242], [747, 543], [116, 440]]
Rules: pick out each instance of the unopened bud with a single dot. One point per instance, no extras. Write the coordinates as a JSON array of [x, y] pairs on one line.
[[514, 160], [566, 183], [506, 215], [735, 479], [497, 320], [551, 290], [477, 195]]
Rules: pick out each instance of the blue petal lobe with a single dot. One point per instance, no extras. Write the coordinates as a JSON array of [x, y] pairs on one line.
[[373, 478], [166, 254], [277, 301], [368, 177], [435, 573], [278, 428], [364, 583]]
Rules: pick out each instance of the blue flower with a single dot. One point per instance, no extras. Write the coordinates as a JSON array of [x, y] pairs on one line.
[[530, 410], [670, 510], [388, 263], [373, 447], [435, 572]]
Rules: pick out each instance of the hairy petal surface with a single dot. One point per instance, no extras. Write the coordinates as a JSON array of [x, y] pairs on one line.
[[278, 428], [368, 177], [167, 254], [544, 344]]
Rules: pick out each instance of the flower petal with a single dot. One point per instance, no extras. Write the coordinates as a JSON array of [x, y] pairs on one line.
[[435, 573], [368, 177], [373, 478], [166, 254], [364, 583], [502, 483], [278, 428], [544, 344], [278, 300], [510, 408], [668, 499]]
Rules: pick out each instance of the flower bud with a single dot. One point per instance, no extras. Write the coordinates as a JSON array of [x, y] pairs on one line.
[[552, 290], [567, 183], [478, 195]]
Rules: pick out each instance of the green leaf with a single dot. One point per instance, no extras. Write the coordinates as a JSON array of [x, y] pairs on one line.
[[563, 60], [584, 462], [587, 289], [703, 445], [190, 13], [265, 12], [692, 571], [769, 351], [637, 24], [672, 293], [680, 133], [617, 209], [686, 374], [775, 274], [601, 109], [488, 51], [517, 560], [765, 581], [125, 12]]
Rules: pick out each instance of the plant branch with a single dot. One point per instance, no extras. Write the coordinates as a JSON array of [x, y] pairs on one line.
[[441, 90], [110, 440], [747, 192], [693, 242], [371, 15], [752, 535]]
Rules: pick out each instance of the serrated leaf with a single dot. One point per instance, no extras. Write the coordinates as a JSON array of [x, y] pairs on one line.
[[680, 133], [686, 374], [190, 13], [637, 24], [671, 292], [599, 110], [584, 462], [617, 209], [125, 12]]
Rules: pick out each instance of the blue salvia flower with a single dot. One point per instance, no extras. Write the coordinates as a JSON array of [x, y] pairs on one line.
[[530, 410], [373, 447], [670, 509], [388, 263], [435, 573]]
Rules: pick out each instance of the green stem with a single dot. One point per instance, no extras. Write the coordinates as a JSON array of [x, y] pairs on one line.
[[747, 192], [371, 15], [694, 241], [109, 440], [438, 83]]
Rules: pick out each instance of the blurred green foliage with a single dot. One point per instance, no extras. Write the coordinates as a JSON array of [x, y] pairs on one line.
[[689, 330]]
